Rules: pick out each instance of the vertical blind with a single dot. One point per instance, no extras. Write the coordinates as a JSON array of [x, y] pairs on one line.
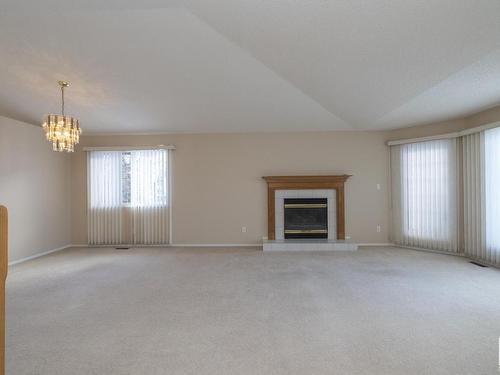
[[429, 209], [473, 195], [104, 191], [492, 193], [424, 195], [128, 197]]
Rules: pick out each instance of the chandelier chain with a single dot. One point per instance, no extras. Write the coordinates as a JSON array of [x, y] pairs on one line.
[[62, 99]]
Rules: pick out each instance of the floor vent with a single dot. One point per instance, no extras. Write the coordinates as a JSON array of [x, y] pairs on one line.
[[478, 264]]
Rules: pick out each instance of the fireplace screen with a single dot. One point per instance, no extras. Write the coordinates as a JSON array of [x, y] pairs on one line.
[[306, 218]]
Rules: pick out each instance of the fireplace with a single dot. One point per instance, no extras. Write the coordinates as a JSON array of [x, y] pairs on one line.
[[285, 187], [305, 218], [306, 213]]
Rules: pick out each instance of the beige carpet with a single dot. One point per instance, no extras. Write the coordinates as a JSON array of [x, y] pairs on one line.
[[214, 311]]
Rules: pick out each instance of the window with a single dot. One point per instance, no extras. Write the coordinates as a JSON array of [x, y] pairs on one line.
[[148, 178], [425, 192], [428, 190], [128, 197], [492, 188], [125, 161], [129, 178]]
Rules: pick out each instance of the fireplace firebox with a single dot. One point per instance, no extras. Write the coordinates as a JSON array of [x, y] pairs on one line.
[[306, 218]]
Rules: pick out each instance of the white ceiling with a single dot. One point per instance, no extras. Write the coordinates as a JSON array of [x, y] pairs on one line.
[[249, 65]]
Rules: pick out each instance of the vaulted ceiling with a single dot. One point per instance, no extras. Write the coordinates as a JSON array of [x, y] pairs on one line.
[[249, 65]]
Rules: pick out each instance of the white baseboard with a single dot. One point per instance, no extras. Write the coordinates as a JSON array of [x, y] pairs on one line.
[[172, 245], [376, 244], [216, 245], [381, 244], [39, 255], [431, 251]]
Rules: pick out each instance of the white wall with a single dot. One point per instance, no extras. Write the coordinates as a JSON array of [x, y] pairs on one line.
[[34, 186]]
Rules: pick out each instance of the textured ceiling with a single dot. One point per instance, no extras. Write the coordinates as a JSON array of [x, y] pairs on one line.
[[254, 65]]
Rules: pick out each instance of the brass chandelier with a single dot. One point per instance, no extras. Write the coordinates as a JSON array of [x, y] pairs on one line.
[[63, 131]]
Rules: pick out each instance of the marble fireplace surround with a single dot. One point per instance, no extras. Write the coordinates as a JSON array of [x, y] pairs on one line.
[[330, 187], [279, 209]]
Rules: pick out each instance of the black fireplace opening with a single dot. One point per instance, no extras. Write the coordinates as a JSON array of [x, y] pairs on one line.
[[306, 218]]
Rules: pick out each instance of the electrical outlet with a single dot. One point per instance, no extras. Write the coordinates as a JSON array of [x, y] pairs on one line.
[[347, 237], [243, 229], [379, 229], [378, 186]]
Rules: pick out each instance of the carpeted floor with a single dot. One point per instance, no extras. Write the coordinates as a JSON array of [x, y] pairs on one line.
[[214, 311]]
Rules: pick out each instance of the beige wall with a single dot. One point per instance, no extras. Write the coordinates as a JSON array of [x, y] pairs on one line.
[[217, 181], [217, 187], [217, 184], [484, 117], [34, 185], [426, 130]]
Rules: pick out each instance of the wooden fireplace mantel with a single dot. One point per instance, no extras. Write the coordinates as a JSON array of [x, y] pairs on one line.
[[305, 182]]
